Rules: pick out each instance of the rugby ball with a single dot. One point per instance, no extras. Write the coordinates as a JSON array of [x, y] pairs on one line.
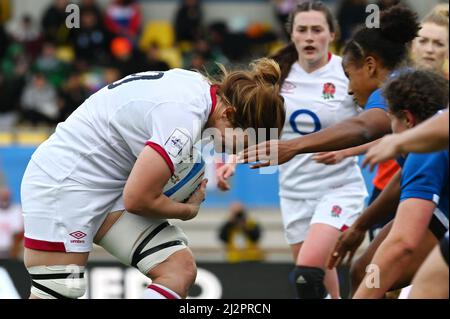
[[187, 177]]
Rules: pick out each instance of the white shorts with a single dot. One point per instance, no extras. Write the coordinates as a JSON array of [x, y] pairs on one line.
[[339, 208], [62, 216]]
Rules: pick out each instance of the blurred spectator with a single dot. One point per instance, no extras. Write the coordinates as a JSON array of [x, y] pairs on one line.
[[4, 40], [152, 61], [91, 41], [54, 22], [11, 226], [123, 19], [351, 14], [125, 58], [188, 21], [10, 91], [26, 33], [71, 95], [39, 102], [241, 235], [386, 4], [91, 5], [13, 69], [282, 9], [233, 46], [204, 58], [48, 63]]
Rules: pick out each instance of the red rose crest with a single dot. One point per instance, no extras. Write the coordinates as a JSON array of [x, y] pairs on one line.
[[329, 89]]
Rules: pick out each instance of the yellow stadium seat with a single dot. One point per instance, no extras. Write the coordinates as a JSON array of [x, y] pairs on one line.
[[172, 57], [159, 32]]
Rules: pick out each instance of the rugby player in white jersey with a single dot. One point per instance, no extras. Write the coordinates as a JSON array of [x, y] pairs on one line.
[[116, 152], [317, 202]]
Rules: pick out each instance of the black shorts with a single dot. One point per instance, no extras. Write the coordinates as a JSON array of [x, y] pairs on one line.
[[437, 228], [444, 247]]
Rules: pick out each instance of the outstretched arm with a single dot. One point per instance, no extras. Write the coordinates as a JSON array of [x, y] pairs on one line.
[[363, 128], [429, 136]]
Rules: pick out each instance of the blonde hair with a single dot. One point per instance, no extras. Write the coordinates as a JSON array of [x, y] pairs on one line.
[[438, 16], [254, 94]]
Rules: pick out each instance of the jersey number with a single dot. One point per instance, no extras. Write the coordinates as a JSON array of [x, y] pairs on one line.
[[312, 115], [135, 77]]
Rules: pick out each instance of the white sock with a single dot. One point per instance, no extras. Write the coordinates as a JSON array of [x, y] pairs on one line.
[[156, 291]]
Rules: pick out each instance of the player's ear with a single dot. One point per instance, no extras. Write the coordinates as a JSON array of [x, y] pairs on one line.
[[410, 119], [228, 113], [370, 64]]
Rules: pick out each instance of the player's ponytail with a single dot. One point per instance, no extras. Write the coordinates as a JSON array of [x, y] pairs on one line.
[[389, 43], [255, 96]]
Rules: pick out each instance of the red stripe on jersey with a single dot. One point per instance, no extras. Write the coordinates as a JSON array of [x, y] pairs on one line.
[[330, 55], [213, 91], [344, 228], [43, 245], [162, 291], [163, 154]]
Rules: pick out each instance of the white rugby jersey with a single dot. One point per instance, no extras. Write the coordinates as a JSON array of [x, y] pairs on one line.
[[313, 102], [100, 142]]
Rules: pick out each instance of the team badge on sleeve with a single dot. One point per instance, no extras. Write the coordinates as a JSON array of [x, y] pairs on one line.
[[336, 211], [329, 90], [176, 143]]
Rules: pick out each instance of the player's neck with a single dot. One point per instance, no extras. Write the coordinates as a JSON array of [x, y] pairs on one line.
[[310, 67]]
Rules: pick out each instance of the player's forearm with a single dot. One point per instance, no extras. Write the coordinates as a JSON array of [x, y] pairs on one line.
[[430, 136], [386, 203], [359, 150], [349, 133], [387, 265], [159, 207]]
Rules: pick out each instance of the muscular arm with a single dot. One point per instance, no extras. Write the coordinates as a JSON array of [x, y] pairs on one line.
[[395, 253], [143, 191], [366, 127], [430, 136], [382, 206]]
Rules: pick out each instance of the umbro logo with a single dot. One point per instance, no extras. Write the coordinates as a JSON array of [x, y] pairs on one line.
[[78, 234]]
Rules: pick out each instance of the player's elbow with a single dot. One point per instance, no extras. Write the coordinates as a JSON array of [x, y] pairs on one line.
[[132, 202], [139, 203], [406, 246]]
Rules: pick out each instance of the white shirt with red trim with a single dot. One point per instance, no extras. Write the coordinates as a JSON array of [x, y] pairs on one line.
[[315, 101], [100, 142]]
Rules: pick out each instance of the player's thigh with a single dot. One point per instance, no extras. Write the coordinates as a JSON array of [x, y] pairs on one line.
[[431, 280], [48, 258], [418, 257], [296, 216]]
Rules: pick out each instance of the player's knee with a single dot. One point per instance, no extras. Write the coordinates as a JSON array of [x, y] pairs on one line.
[[57, 282], [309, 282]]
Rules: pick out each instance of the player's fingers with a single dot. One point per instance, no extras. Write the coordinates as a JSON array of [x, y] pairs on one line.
[[259, 165], [204, 183], [223, 186], [228, 173]]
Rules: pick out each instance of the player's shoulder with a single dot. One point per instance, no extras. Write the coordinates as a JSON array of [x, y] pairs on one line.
[[431, 161]]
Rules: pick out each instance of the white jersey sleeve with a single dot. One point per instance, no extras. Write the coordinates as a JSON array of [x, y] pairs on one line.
[[174, 142]]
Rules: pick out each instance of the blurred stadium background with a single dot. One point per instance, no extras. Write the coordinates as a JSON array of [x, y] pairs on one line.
[[47, 70]]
